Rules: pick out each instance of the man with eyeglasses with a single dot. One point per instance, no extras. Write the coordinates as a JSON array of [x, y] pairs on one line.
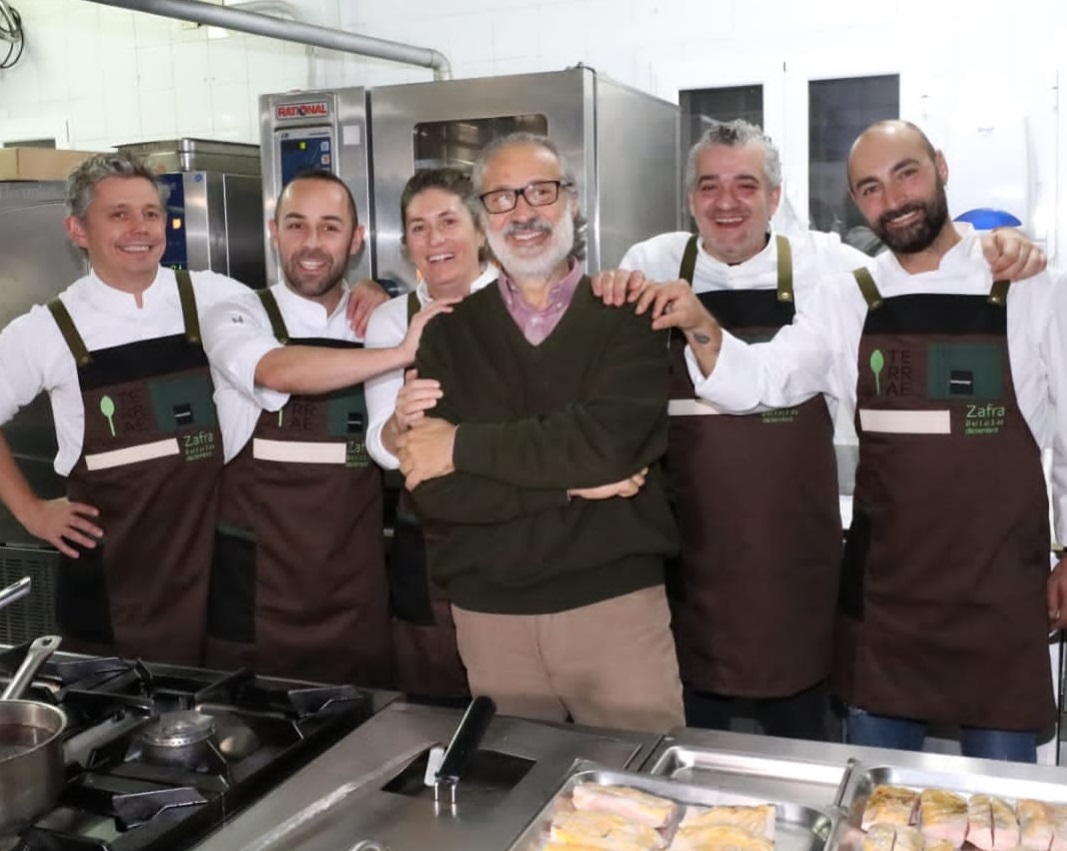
[[541, 466]]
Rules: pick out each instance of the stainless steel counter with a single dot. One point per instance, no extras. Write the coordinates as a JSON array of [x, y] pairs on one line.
[[350, 799], [340, 799]]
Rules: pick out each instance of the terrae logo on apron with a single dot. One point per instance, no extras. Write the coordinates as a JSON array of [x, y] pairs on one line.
[[893, 371], [126, 411]]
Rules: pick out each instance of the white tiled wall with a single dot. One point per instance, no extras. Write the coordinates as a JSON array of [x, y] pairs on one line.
[[108, 75], [94, 76]]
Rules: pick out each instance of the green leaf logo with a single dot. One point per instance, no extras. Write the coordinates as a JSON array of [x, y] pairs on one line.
[[107, 408], [877, 365]]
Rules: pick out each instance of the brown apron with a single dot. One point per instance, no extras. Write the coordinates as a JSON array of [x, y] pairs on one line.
[[150, 463], [426, 658], [757, 502], [298, 584], [943, 612]]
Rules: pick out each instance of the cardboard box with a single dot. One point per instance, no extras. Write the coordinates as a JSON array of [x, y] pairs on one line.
[[38, 163]]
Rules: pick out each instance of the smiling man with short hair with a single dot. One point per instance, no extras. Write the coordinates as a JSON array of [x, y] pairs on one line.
[[119, 354], [298, 584]]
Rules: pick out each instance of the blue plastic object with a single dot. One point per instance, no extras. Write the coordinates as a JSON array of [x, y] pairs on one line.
[[986, 218]]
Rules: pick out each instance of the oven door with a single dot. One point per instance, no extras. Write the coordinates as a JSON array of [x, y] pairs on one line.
[[430, 125]]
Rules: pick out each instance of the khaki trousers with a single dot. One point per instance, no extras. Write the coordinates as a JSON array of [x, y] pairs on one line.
[[610, 664]]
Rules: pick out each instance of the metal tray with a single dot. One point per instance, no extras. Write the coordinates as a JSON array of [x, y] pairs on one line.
[[798, 827], [864, 778], [768, 778]]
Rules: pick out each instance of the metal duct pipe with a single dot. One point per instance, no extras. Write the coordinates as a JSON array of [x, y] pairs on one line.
[[249, 22]]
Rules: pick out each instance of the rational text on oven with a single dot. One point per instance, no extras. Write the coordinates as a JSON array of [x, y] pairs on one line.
[[305, 109]]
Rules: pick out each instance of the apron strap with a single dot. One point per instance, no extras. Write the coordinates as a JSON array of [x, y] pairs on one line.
[[785, 269], [70, 333], [188, 300], [999, 294], [689, 260], [785, 265], [413, 305], [868, 287], [277, 324]]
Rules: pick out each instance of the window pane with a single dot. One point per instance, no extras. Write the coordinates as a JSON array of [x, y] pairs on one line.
[[723, 104], [838, 111], [457, 143]]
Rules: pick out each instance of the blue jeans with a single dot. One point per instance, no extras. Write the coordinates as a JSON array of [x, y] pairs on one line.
[[881, 731]]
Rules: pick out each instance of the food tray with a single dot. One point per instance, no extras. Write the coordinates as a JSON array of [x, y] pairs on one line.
[[798, 827], [813, 784], [864, 778]]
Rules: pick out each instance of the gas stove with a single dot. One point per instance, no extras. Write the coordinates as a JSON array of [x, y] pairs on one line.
[[159, 756]]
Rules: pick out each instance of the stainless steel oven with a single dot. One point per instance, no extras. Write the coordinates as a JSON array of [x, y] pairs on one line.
[[621, 144], [214, 220], [316, 129]]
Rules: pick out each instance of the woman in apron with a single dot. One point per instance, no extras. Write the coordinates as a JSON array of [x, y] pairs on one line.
[[447, 247]]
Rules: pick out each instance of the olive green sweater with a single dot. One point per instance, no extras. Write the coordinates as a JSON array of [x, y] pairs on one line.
[[586, 407]]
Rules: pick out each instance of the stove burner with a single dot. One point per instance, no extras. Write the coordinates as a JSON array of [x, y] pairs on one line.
[[179, 729], [181, 738]]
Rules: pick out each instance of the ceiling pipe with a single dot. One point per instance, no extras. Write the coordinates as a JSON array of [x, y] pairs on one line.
[[294, 31]]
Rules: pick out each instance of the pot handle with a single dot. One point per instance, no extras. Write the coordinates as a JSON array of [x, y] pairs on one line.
[[15, 591], [39, 651]]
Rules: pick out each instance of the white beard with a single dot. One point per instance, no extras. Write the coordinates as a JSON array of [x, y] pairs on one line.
[[521, 265]]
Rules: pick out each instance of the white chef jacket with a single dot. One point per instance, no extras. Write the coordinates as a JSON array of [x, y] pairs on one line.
[[237, 334], [35, 357], [829, 324], [387, 327], [816, 257]]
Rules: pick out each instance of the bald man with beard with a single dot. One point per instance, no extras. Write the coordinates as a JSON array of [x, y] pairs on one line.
[[952, 379]]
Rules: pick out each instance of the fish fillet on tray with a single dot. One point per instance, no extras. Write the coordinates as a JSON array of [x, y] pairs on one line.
[[622, 811], [925, 813]]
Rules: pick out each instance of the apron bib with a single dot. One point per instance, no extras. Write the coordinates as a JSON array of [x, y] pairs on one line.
[[756, 498], [150, 462], [298, 583], [943, 612]]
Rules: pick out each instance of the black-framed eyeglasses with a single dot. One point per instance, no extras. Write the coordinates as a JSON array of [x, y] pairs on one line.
[[539, 193]]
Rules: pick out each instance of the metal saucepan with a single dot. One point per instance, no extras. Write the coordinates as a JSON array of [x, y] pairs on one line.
[[31, 746]]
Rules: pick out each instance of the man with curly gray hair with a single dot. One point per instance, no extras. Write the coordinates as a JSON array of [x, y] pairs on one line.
[[119, 354], [754, 613]]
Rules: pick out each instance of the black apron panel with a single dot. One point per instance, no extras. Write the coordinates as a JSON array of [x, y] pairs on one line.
[[854, 563], [737, 310], [82, 608], [231, 612], [140, 361], [409, 581], [937, 314]]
